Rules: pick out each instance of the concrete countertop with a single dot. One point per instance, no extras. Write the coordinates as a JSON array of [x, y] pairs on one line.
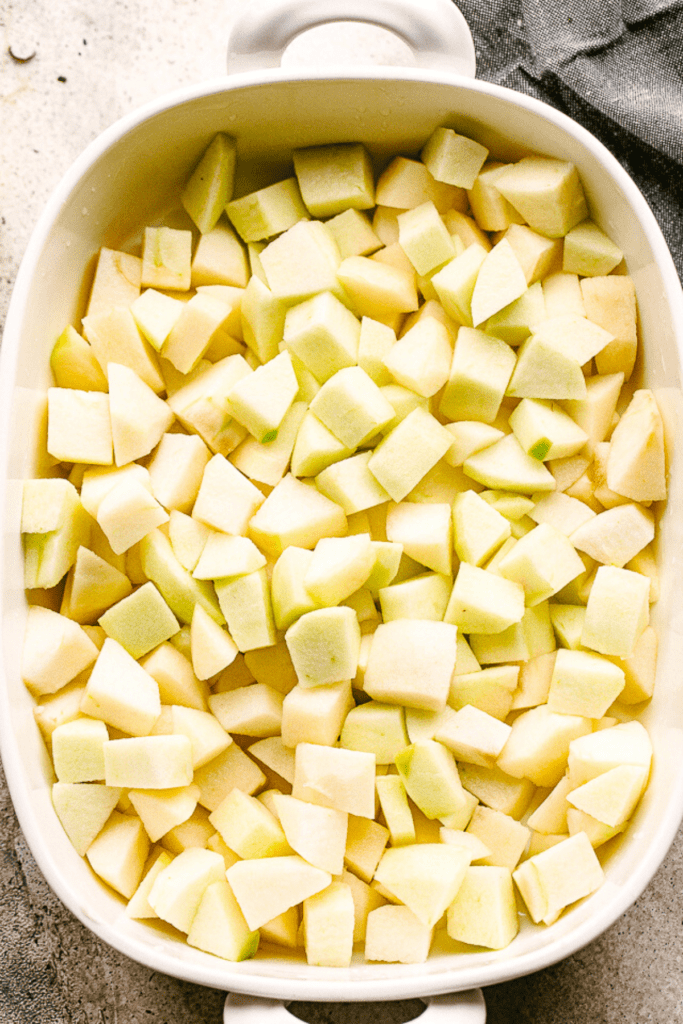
[[95, 61]]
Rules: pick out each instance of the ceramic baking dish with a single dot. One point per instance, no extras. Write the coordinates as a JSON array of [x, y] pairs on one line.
[[130, 176]]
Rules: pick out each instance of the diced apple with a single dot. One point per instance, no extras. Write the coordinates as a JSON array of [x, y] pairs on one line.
[[119, 852]]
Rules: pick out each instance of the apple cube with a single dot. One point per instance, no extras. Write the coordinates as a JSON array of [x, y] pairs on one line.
[[121, 693], [589, 252], [350, 484], [499, 282], [398, 671], [423, 597], [173, 673], [406, 454], [479, 375], [396, 810], [473, 736], [245, 602], [212, 647], [376, 728], [496, 789], [515, 322], [353, 233], [58, 708], [114, 337], [323, 334], [453, 158], [407, 183], [332, 777], [301, 262], [148, 762], [231, 769], [254, 710], [262, 318], [74, 365], [318, 834], [425, 877], [424, 531], [119, 852], [316, 447], [220, 259], [375, 289], [612, 796], [552, 880], [210, 185], [92, 586], [116, 281], [79, 427], [538, 746], [395, 935], [267, 211], [421, 359], [218, 925], [352, 406], [272, 752], [141, 621], [55, 650], [178, 889], [166, 258], [611, 303], [454, 283], [542, 562], [248, 827], [334, 178], [490, 209], [161, 810], [194, 833], [478, 529], [505, 838], [617, 611], [227, 555], [484, 912], [226, 500], [201, 404], [339, 566], [599, 752], [483, 602], [636, 466], [375, 343], [207, 737], [267, 887], [545, 431], [324, 646], [424, 237], [155, 314], [616, 535], [261, 400], [489, 690], [78, 750], [127, 513], [294, 513], [430, 776], [315, 714], [83, 810], [290, 598], [546, 192]]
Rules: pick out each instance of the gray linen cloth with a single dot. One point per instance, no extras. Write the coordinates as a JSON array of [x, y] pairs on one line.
[[615, 66]]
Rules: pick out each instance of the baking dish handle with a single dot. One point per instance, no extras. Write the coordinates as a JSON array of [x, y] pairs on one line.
[[455, 1008], [435, 30]]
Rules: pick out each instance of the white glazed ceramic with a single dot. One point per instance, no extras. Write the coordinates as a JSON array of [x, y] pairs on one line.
[[130, 176]]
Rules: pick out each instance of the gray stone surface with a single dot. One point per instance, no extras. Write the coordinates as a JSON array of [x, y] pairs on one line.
[[112, 57]]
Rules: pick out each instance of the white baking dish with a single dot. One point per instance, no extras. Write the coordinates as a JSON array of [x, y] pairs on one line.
[[130, 176]]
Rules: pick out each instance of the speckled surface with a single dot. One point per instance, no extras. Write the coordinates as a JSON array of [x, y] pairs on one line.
[[94, 61]]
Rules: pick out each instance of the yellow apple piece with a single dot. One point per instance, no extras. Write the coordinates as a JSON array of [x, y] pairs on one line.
[[74, 365], [119, 853], [335, 178], [212, 647], [116, 281], [505, 838], [140, 621], [83, 810], [220, 259], [155, 314], [395, 935], [201, 404], [617, 611], [484, 912], [267, 887], [55, 650], [538, 746], [636, 466], [260, 401], [499, 282], [301, 262], [421, 359], [245, 602], [328, 920], [424, 531], [546, 192], [294, 513], [148, 762], [249, 828], [425, 877], [121, 693], [127, 513], [231, 769], [163, 809], [210, 185], [616, 536], [452, 158], [178, 889], [552, 880], [479, 374], [79, 427], [176, 469], [166, 258], [484, 602]]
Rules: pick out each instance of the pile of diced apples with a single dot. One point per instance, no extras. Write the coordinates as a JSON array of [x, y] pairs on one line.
[[345, 556]]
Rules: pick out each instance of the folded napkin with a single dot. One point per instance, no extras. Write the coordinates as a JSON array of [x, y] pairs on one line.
[[615, 66]]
